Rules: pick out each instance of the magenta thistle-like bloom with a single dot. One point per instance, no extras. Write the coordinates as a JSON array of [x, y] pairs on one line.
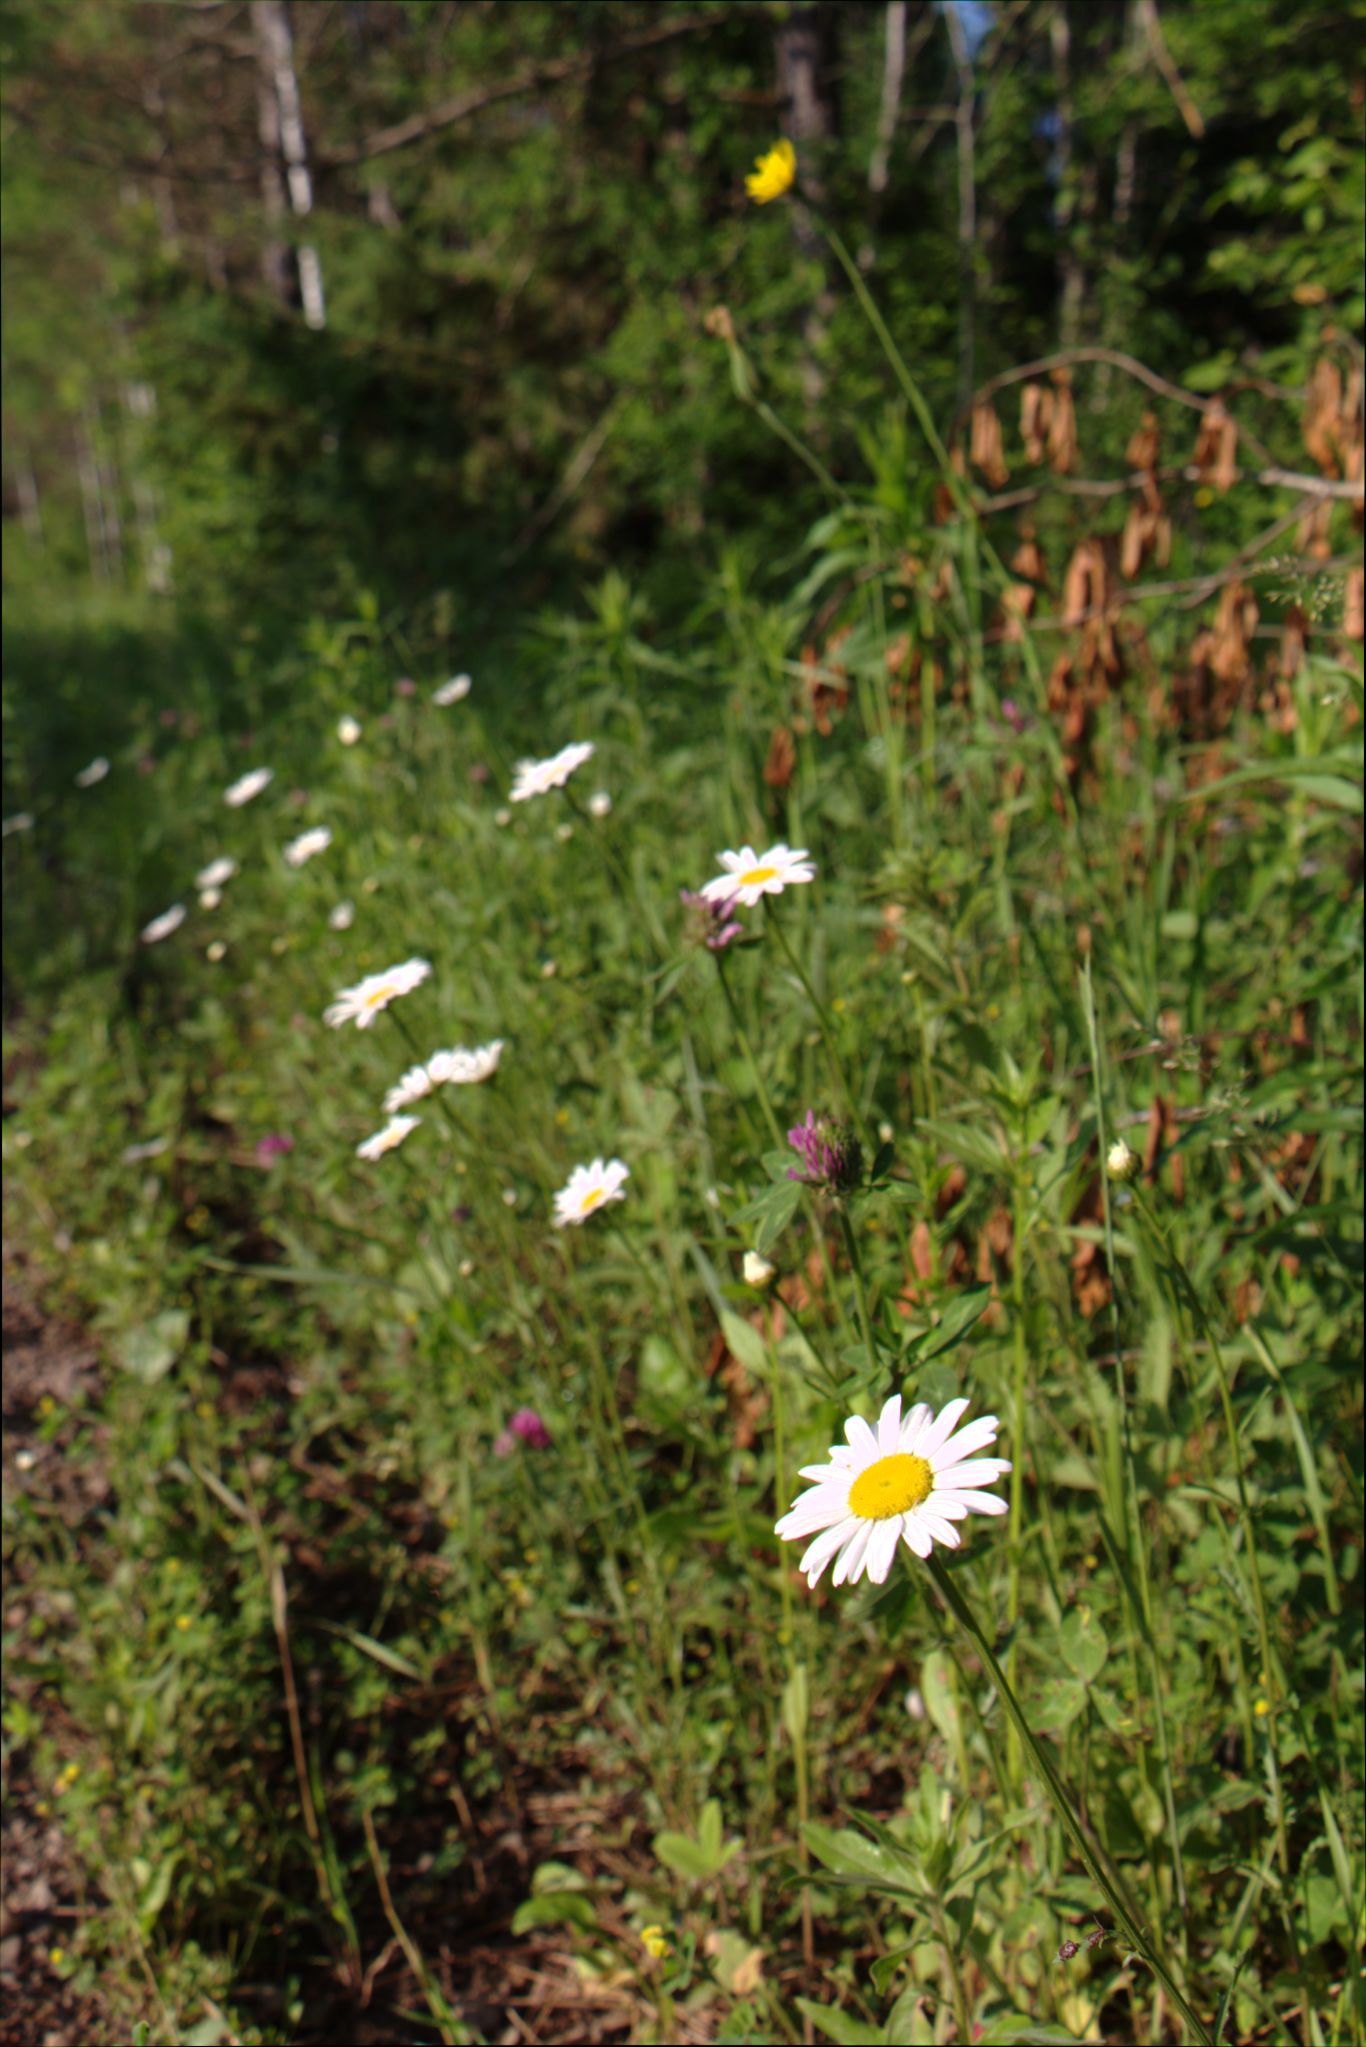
[[709, 923], [527, 1425], [504, 1443], [271, 1147], [831, 1155]]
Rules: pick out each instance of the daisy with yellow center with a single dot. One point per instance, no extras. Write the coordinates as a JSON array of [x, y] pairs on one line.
[[750, 875], [774, 173], [588, 1188], [908, 1481], [362, 1004], [537, 778]]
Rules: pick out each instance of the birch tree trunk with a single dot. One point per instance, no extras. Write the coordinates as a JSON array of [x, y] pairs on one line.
[[284, 170]]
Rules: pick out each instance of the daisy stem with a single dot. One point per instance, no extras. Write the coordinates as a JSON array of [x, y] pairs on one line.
[[1052, 1785], [1134, 1534], [790, 1658], [860, 1290], [827, 1037], [1015, 1544], [765, 1104]]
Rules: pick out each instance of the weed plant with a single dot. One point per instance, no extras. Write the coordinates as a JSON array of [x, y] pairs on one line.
[[425, 1512]]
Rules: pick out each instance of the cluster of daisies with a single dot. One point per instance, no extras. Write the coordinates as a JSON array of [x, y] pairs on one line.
[[213, 879]]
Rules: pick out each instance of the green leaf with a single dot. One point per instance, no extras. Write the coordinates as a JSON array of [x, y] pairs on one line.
[[856, 1860], [837, 2025], [795, 1706], [937, 1692], [1015, 2030], [555, 1908], [1082, 1643], [149, 1349], [954, 1323], [744, 1342]]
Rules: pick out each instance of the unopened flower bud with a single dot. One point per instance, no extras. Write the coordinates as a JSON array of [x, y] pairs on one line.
[[758, 1272], [1121, 1163]]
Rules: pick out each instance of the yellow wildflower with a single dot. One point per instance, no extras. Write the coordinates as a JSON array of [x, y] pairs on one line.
[[773, 174], [654, 1943]]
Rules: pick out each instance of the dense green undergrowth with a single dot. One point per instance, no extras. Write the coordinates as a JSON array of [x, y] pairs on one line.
[[329, 1632]]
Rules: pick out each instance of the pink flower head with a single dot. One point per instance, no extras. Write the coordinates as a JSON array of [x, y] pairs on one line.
[[527, 1425], [709, 923], [405, 687], [504, 1443], [830, 1153], [271, 1147]]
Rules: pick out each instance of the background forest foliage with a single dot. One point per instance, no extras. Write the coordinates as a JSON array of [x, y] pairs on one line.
[[395, 389]]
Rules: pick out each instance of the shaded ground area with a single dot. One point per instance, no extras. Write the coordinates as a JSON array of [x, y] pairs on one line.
[[41, 1891], [527, 1988]]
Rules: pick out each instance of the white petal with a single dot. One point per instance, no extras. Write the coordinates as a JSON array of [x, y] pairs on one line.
[[822, 1507], [849, 1569], [916, 1536], [824, 1547], [817, 1471], [941, 1429], [974, 1437], [861, 1438], [913, 1424], [977, 1471], [939, 1530], [889, 1428], [882, 1548], [974, 1502]]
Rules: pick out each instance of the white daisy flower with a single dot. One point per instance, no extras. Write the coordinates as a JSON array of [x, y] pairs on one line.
[[302, 849], [22, 821], [590, 1187], [535, 778], [451, 692], [600, 803], [348, 730], [758, 1271], [215, 950], [210, 898], [463, 1066], [750, 875], [95, 772], [246, 786], [393, 1133], [362, 1004], [342, 918], [1121, 1163], [416, 1083], [216, 873], [162, 926], [910, 1479]]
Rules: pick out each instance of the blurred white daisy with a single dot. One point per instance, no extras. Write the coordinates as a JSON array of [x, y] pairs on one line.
[[416, 1083], [216, 873], [162, 926], [215, 950], [393, 1133], [750, 875], [909, 1479], [535, 778], [342, 917], [464, 1065], [451, 692], [95, 772], [600, 803], [348, 730], [588, 1188], [302, 849], [362, 1004], [22, 821], [246, 786], [210, 898]]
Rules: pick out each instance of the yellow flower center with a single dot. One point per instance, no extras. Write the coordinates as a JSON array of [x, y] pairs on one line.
[[591, 1199], [890, 1486], [757, 874], [380, 995]]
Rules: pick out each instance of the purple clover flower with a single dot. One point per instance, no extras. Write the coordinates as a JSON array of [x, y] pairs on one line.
[[528, 1427], [709, 923], [831, 1154], [271, 1147]]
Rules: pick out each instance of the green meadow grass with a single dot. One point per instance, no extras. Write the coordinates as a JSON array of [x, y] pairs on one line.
[[321, 1644]]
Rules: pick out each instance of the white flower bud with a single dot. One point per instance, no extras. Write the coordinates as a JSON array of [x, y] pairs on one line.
[[758, 1272]]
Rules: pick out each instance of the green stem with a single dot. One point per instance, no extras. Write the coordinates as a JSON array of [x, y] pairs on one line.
[[775, 1130], [1048, 1777], [827, 1036], [860, 1291]]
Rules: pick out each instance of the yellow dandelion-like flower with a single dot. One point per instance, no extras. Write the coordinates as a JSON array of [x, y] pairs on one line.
[[652, 1939], [774, 173]]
